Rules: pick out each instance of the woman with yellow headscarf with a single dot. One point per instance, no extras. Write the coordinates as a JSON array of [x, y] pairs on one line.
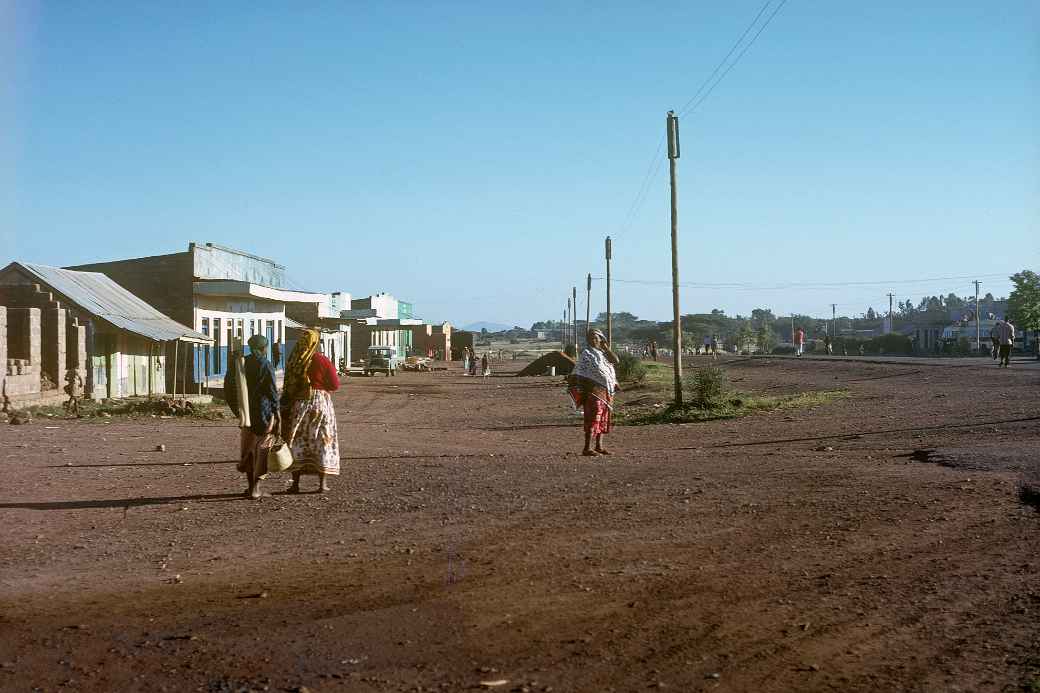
[[308, 418]]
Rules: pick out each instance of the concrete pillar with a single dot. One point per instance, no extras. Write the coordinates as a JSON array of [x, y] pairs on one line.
[[76, 348], [52, 337], [23, 337]]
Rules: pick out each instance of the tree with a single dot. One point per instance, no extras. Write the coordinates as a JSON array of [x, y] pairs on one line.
[[871, 315], [762, 316], [1024, 301], [765, 339]]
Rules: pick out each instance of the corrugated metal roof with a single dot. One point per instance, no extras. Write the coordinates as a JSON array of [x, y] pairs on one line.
[[95, 293]]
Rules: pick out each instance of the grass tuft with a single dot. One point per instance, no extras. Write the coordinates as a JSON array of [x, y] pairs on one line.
[[734, 405]]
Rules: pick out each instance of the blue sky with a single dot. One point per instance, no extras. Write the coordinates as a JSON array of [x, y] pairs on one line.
[[471, 157]]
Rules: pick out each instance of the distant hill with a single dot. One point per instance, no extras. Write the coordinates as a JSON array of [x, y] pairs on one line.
[[489, 326]]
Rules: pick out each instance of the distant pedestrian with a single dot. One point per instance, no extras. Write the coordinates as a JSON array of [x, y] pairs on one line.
[[592, 386], [861, 349], [309, 420], [707, 344], [799, 341], [828, 347], [1006, 334], [844, 350], [994, 341], [257, 439], [653, 349], [465, 360], [74, 389], [485, 366], [715, 346]]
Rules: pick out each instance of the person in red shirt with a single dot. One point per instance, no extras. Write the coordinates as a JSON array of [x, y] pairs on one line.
[[309, 421], [799, 340]]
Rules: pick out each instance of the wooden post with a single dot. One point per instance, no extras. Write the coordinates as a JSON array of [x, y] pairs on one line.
[[588, 302], [672, 126], [610, 322], [176, 354], [574, 318]]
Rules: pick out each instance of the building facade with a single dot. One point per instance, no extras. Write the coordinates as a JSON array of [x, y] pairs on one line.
[[225, 294], [61, 321]]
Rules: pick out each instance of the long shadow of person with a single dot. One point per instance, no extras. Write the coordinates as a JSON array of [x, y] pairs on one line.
[[118, 502]]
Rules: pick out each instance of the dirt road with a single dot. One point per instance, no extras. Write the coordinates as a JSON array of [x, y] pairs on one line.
[[467, 542]]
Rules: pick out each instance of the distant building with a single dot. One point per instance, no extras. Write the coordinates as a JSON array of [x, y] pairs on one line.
[[226, 294]]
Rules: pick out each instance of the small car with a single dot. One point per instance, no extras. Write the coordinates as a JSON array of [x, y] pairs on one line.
[[382, 359]]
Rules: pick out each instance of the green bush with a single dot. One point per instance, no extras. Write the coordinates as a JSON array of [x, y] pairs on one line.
[[784, 349], [569, 350], [890, 344], [708, 387], [631, 369]]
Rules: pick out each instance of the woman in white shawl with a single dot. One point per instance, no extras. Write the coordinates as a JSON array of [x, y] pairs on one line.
[[592, 385]]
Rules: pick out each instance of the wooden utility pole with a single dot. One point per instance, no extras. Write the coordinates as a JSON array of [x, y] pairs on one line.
[[834, 319], [891, 315], [610, 322], [574, 318], [672, 127], [563, 332], [567, 329], [978, 325], [588, 302]]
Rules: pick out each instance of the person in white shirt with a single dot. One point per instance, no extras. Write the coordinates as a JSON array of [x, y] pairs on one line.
[[1004, 331]]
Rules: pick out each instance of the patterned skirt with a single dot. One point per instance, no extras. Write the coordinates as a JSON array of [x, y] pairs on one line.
[[596, 416], [315, 441]]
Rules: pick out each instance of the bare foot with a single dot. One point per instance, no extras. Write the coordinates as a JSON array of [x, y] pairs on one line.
[[254, 492], [603, 451], [324, 488], [589, 453]]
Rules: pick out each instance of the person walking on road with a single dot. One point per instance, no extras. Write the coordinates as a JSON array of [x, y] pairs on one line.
[[827, 345], [262, 393], [309, 419], [994, 342], [1006, 336], [799, 341], [485, 366], [592, 387]]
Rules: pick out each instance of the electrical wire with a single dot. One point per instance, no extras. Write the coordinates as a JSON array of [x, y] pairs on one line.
[[722, 62], [654, 169], [800, 285], [737, 60]]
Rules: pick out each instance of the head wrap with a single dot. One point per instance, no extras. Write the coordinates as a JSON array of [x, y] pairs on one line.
[[297, 382], [593, 332], [257, 342]]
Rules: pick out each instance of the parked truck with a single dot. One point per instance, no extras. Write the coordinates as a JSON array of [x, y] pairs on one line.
[[382, 359]]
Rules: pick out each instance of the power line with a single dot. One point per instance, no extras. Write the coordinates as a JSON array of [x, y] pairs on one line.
[[799, 285], [737, 60], [723, 61], [654, 168]]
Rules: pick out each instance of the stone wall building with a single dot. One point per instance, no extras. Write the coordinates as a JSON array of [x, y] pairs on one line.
[[59, 320]]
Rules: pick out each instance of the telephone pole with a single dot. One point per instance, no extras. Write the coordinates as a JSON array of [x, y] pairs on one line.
[[978, 325], [891, 315], [672, 126], [834, 319], [567, 326], [610, 323], [588, 302], [574, 317]]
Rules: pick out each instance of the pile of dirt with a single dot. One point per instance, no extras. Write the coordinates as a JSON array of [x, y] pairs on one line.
[[564, 364]]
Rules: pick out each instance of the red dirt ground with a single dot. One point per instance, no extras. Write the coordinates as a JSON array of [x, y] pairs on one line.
[[467, 541]]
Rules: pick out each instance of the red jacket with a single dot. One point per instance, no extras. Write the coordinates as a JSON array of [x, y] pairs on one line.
[[323, 374]]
